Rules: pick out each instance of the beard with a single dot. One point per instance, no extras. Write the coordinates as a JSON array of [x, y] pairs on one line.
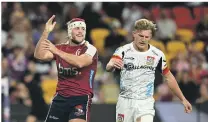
[[76, 42]]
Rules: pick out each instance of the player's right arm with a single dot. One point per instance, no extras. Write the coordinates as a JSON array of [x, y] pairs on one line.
[[115, 61], [40, 53]]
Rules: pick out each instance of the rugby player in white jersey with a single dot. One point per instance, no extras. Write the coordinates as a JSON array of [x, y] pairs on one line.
[[138, 61]]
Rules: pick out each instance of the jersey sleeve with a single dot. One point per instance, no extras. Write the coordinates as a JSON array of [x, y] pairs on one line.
[[119, 52], [91, 50], [162, 65]]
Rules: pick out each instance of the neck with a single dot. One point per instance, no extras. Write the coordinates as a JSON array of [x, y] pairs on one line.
[[141, 49]]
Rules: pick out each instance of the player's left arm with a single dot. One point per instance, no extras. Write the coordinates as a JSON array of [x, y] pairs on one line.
[[78, 61], [173, 85]]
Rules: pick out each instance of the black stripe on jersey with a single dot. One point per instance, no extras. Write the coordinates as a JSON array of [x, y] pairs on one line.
[[159, 65], [154, 52], [122, 54]]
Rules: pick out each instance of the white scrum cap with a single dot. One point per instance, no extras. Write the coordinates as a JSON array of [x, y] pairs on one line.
[[76, 22]]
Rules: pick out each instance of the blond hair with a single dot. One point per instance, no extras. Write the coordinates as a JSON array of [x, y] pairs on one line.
[[144, 24]]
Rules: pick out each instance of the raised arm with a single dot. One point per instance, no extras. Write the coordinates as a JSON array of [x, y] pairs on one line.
[[40, 53], [78, 61]]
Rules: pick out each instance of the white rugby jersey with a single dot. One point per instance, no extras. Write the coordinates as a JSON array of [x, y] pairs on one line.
[[138, 74]]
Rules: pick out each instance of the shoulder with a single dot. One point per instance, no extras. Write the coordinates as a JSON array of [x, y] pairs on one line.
[[156, 51], [124, 48], [90, 46], [90, 49]]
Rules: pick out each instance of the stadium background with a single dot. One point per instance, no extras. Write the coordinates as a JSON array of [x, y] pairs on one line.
[[182, 35]]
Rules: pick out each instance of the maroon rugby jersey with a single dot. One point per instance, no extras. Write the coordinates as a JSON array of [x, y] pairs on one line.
[[74, 81]]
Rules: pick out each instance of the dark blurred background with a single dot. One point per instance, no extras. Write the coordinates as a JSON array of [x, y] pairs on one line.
[[28, 85]]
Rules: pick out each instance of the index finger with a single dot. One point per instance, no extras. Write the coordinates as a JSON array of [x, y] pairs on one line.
[[46, 40], [51, 19]]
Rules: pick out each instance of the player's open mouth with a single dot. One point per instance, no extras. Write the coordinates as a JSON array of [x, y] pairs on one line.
[[141, 43], [79, 35]]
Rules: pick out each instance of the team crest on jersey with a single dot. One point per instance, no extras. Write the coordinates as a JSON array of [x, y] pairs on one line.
[[150, 60], [78, 52]]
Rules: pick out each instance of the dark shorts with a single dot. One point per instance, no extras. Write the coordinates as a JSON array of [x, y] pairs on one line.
[[40, 112], [63, 109]]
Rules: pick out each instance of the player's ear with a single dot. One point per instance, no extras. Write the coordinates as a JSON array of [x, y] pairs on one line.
[[133, 33]]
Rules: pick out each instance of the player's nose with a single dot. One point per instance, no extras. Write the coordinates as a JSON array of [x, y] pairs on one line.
[[80, 30]]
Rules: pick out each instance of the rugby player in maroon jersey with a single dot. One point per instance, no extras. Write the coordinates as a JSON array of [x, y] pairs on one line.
[[76, 61]]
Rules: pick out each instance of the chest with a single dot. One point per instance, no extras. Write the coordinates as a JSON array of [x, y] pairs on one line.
[[137, 60], [78, 50]]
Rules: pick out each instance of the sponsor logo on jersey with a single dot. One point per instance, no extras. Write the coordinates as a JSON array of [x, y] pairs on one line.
[[69, 71], [131, 58], [150, 60], [131, 66], [53, 117]]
